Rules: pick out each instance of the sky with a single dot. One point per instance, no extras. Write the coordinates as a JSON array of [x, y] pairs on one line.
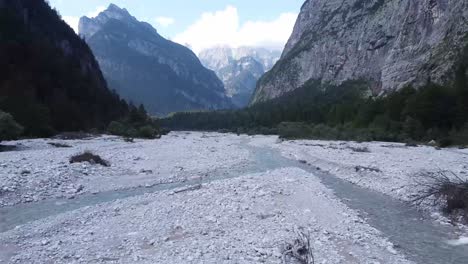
[[201, 24]]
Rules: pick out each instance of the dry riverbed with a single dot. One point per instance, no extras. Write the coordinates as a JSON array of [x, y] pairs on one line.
[[41, 171], [249, 218], [390, 168]]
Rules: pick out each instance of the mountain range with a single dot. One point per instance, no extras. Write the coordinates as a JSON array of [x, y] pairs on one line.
[[143, 67], [239, 69]]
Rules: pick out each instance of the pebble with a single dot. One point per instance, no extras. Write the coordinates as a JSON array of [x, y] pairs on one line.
[[392, 250]]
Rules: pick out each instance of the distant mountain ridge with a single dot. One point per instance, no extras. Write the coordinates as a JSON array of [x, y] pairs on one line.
[[146, 68], [239, 69]]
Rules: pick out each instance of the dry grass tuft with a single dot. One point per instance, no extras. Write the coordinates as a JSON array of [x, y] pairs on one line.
[[300, 249], [445, 189]]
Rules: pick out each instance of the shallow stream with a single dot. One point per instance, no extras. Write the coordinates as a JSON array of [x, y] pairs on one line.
[[417, 236]]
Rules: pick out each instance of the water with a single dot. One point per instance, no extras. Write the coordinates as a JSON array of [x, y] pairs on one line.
[[422, 240]]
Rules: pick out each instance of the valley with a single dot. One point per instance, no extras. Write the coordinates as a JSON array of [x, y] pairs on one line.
[[289, 132], [224, 198]]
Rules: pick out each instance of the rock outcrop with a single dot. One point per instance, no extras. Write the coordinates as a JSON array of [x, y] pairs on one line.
[[389, 43], [239, 69], [143, 67]]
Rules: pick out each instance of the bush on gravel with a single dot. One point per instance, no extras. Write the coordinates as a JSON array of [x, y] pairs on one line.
[[447, 190], [9, 128], [59, 145], [300, 249], [89, 157], [73, 136], [136, 125]]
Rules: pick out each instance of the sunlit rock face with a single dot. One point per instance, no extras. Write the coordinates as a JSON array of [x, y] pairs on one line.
[[239, 69], [389, 43]]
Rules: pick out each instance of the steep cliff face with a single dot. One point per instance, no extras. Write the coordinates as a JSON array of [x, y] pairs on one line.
[[239, 69], [146, 68], [50, 78], [389, 43]]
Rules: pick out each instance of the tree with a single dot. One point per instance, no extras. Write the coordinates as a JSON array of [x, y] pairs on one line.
[[461, 88], [117, 128], [9, 129], [413, 129]]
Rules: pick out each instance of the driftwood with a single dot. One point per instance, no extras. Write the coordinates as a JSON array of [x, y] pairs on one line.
[[359, 168], [443, 187], [188, 189]]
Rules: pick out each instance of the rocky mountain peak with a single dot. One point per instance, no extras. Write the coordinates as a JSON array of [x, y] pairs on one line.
[[146, 68], [217, 57], [239, 68], [89, 26]]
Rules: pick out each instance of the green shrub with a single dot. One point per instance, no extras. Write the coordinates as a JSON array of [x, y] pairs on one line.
[[460, 137], [445, 142], [117, 128], [9, 129], [446, 189], [147, 132], [89, 157], [294, 130]]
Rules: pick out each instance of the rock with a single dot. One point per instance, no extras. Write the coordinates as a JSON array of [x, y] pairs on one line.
[[79, 188], [392, 250], [389, 43], [239, 69]]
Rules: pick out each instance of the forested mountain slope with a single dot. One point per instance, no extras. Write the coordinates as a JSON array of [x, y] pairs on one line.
[[50, 80]]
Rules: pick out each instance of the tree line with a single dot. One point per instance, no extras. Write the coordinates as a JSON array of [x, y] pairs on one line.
[[349, 112]]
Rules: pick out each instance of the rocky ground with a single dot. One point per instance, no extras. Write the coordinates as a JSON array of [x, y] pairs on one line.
[[249, 218], [39, 170], [244, 220], [391, 168]]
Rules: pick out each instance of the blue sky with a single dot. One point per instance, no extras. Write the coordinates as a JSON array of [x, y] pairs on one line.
[[202, 23]]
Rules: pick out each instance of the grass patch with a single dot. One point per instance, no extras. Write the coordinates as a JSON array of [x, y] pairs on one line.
[[73, 136], [363, 168], [411, 144], [359, 149], [59, 145], [88, 156]]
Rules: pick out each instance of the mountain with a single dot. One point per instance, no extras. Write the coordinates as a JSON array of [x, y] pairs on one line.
[[146, 68], [387, 43], [50, 79], [239, 69]]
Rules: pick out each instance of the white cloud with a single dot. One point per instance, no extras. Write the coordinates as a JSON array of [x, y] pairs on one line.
[[73, 21], [164, 21], [96, 11], [224, 28]]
